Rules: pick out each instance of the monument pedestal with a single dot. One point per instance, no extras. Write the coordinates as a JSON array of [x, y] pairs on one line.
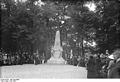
[[53, 60]]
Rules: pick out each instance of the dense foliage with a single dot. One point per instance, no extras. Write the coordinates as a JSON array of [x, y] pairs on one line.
[[28, 26]]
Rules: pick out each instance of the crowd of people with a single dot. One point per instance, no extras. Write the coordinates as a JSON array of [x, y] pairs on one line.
[[19, 58], [98, 66], [108, 67]]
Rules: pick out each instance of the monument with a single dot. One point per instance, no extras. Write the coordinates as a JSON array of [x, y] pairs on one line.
[[56, 51]]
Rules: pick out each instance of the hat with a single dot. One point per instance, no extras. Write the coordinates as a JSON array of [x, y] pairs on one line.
[[117, 53], [111, 56]]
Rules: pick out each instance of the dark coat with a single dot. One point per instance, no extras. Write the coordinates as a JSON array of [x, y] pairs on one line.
[[115, 71], [91, 69], [91, 65]]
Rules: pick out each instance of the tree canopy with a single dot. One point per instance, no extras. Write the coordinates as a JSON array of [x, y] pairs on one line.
[[32, 24]]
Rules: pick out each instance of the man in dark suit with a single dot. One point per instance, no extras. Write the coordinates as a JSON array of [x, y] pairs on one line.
[[115, 71], [91, 68]]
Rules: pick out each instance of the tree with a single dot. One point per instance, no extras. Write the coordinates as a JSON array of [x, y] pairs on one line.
[[30, 25], [108, 32]]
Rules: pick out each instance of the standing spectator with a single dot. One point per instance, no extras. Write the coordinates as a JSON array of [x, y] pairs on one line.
[[5, 59], [74, 61], [78, 59], [36, 59], [22, 58], [107, 53], [43, 59], [30, 59], [17, 59], [91, 68], [9, 60], [110, 66], [12, 60], [115, 71], [1, 58], [104, 65], [98, 66], [81, 62]]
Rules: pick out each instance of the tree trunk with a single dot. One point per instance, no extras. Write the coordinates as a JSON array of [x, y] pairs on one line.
[[82, 48]]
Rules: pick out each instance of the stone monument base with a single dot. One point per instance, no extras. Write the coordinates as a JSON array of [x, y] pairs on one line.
[[53, 60]]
